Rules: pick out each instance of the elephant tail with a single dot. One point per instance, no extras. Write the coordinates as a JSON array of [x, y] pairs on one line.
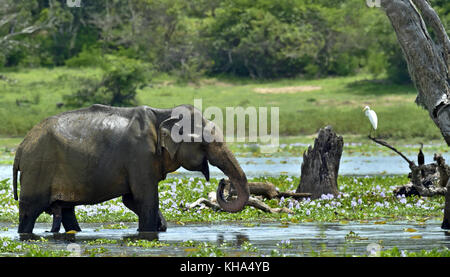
[[15, 172]]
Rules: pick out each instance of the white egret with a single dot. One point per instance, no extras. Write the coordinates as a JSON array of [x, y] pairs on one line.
[[372, 117]]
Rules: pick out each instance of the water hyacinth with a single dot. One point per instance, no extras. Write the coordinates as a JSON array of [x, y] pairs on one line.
[[285, 244], [358, 198], [327, 196]]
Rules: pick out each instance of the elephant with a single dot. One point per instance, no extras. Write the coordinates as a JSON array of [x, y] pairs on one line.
[[64, 215], [95, 154]]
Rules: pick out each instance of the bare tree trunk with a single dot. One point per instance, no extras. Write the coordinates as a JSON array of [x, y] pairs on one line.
[[428, 61], [446, 220], [320, 165]]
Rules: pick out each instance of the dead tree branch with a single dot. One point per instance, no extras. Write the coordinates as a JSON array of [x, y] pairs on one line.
[[385, 144]]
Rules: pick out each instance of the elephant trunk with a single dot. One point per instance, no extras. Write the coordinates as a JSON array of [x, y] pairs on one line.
[[221, 156]]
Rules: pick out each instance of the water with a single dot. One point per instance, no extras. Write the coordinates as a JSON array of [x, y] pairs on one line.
[[256, 167], [304, 238], [5, 172]]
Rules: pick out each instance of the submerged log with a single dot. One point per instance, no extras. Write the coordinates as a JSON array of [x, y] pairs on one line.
[[320, 167]]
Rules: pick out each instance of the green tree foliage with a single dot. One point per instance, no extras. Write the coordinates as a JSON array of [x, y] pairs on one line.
[[117, 87], [18, 20], [255, 38], [260, 38]]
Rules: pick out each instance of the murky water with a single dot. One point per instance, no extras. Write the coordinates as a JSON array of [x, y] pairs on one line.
[[304, 239], [255, 167]]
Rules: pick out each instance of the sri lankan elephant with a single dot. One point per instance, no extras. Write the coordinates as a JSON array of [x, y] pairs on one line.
[[91, 155]]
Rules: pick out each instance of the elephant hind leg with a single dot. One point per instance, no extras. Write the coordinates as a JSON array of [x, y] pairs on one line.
[[56, 223], [65, 215], [28, 213], [69, 219], [57, 218]]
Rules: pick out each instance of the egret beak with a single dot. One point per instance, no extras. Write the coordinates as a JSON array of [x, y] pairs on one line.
[[366, 108]]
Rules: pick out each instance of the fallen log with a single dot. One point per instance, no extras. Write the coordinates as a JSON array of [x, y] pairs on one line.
[[267, 190], [211, 202], [258, 189], [258, 204]]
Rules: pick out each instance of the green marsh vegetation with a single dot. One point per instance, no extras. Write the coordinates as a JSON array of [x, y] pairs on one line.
[[367, 200], [360, 199]]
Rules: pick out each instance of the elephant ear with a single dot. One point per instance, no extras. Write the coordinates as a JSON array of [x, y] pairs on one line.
[[164, 137]]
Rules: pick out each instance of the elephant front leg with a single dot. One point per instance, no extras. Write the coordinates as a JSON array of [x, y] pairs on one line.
[[148, 208], [148, 219], [130, 203]]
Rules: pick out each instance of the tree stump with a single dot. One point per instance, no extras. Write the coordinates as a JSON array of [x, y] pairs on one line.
[[320, 165]]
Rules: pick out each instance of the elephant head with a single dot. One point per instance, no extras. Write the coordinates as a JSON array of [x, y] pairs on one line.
[[195, 151]]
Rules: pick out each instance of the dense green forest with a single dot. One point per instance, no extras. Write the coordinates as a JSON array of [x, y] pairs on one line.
[[192, 38]]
